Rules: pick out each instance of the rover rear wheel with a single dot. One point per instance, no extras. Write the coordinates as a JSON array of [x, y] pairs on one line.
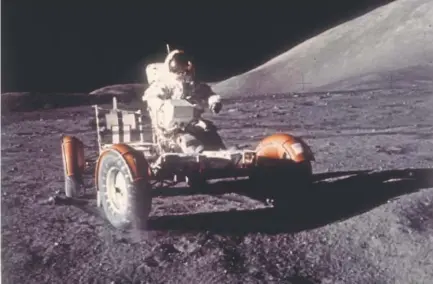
[[196, 182], [284, 171], [282, 184]]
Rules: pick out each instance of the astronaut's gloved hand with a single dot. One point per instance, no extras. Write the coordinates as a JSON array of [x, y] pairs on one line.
[[216, 107], [215, 104]]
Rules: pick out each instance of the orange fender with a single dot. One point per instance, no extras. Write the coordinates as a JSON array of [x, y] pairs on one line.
[[284, 146], [73, 163], [136, 162]]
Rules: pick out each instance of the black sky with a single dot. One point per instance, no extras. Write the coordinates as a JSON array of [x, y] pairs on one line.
[[78, 46]]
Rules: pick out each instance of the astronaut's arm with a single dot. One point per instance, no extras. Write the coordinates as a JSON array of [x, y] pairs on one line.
[[214, 103]]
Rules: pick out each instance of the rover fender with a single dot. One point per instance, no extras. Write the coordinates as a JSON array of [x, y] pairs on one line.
[[284, 146], [73, 164]]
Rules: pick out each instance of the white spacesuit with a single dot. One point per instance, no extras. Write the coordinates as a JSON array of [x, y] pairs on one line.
[[176, 81]]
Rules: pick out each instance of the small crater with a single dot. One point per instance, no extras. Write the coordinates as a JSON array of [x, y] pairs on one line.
[[308, 103], [392, 150], [151, 262]]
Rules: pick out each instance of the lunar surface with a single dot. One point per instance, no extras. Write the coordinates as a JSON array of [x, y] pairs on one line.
[[368, 217]]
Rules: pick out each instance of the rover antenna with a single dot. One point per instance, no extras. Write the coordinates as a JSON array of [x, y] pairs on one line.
[[114, 103]]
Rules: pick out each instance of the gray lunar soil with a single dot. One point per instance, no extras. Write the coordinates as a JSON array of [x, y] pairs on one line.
[[368, 217]]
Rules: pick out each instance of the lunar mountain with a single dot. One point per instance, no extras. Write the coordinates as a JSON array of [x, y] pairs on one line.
[[391, 44]]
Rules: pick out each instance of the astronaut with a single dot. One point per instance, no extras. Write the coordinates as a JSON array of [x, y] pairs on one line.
[[177, 81]]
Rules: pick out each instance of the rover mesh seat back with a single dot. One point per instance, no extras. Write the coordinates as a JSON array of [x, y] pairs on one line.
[[118, 126]]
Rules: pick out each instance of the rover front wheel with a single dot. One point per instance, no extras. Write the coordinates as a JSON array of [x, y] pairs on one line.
[[123, 188]]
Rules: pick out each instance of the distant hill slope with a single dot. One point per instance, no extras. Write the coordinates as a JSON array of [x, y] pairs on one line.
[[128, 90], [396, 36], [31, 101]]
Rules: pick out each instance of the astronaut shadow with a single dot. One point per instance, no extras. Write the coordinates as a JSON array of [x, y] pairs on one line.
[[333, 197]]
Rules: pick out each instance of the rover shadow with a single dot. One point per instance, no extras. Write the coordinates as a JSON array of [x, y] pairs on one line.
[[241, 186], [333, 197]]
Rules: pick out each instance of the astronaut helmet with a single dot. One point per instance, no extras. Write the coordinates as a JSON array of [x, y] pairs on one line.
[[180, 66]]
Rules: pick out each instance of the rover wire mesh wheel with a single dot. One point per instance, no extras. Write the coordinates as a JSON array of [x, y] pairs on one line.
[[125, 202]]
